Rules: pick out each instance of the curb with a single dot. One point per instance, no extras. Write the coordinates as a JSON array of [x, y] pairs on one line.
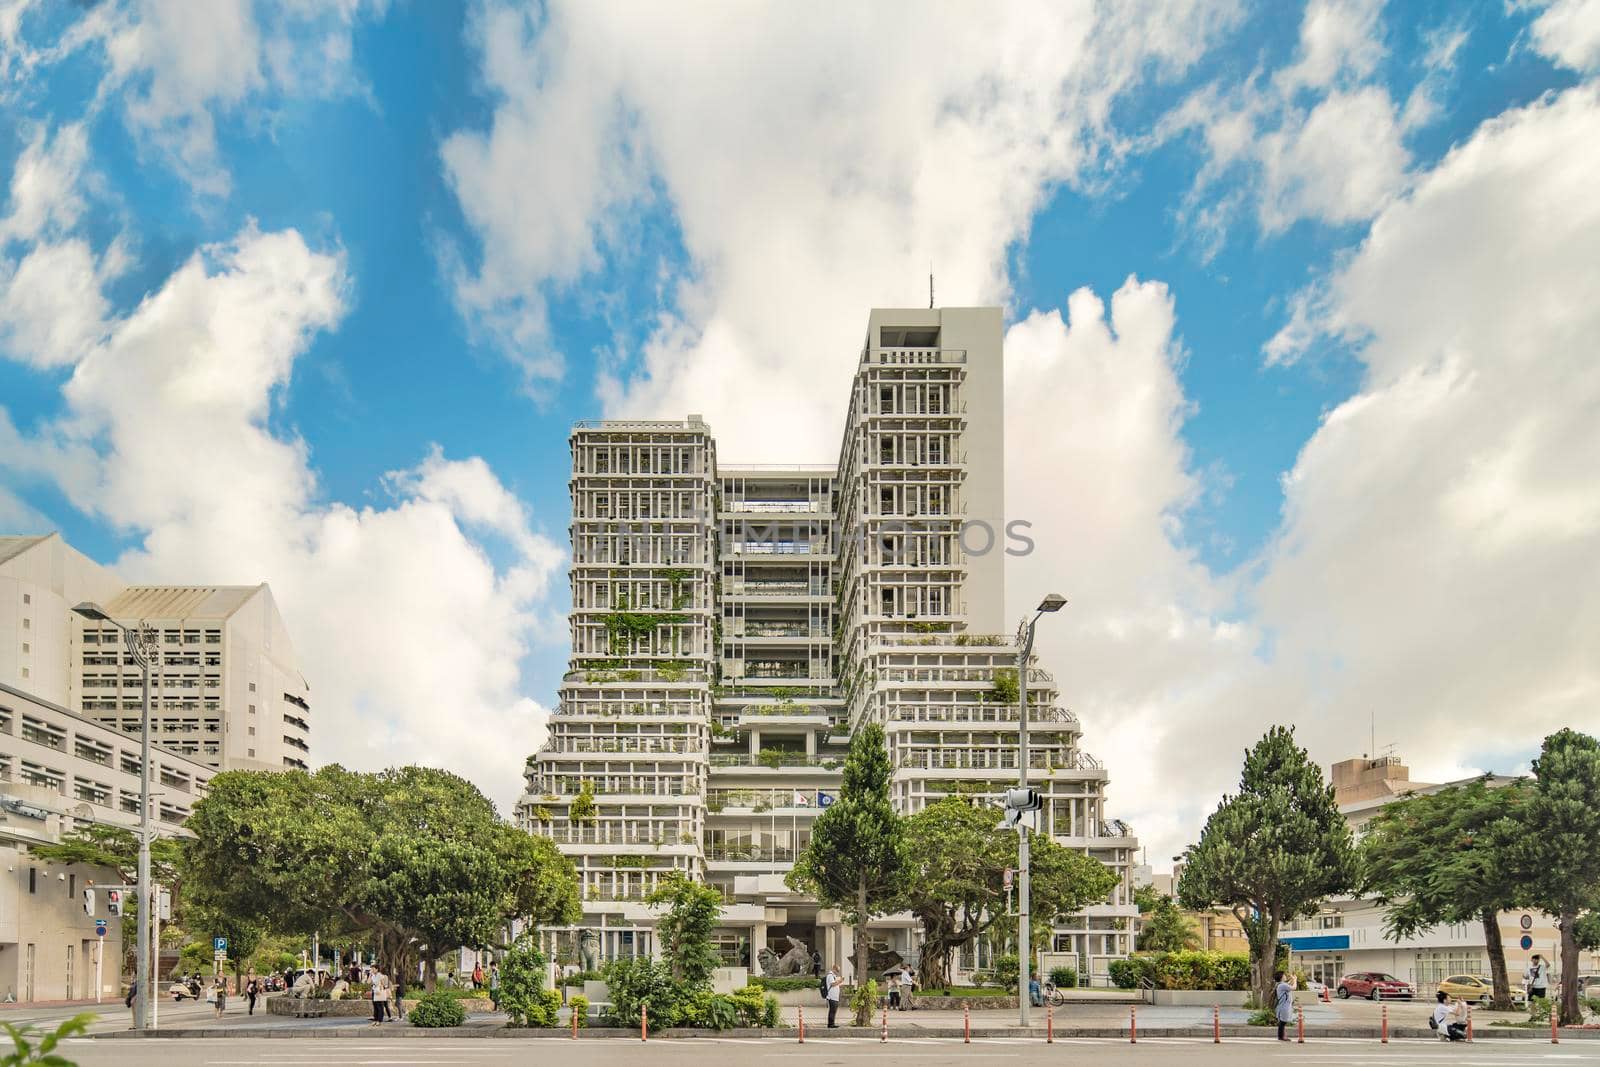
[[1110, 1033]]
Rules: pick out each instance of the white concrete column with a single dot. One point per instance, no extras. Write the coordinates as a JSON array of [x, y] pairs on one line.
[[758, 940]]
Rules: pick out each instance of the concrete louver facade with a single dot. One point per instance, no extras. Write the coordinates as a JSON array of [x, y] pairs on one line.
[[731, 625]]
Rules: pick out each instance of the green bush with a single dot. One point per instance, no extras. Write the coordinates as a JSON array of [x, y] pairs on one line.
[[1064, 977], [1538, 1009], [863, 1000], [1125, 974], [771, 1018], [786, 985], [1189, 969], [1004, 972], [756, 1007], [1263, 1017], [460, 992], [706, 1010], [581, 977], [438, 1009], [637, 983], [522, 995], [580, 1008]]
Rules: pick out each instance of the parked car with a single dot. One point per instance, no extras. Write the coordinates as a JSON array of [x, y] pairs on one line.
[[1315, 988], [1374, 985]]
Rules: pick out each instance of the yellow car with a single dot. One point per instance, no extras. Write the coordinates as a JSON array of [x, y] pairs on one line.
[[1472, 988]]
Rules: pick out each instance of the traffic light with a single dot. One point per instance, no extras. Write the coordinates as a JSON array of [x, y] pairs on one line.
[[113, 902], [88, 901]]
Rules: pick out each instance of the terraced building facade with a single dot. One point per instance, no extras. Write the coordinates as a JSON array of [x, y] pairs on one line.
[[732, 624]]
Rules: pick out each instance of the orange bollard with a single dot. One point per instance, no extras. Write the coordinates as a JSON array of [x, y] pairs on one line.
[[966, 1023], [1133, 1026], [1469, 1022], [644, 1022], [885, 1036], [802, 1025], [1300, 1024], [1050, 1024], [574, 1024], [1555, 1038], [1216, 1025], [1384, 1038]]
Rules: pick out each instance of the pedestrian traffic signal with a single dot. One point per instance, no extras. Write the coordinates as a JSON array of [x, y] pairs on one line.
[[113, 902], [88, 901]]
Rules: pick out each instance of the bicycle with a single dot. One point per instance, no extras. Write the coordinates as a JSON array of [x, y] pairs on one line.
[[1051, 995]]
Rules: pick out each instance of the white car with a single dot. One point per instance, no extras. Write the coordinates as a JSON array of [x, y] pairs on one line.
[[1316, 988]]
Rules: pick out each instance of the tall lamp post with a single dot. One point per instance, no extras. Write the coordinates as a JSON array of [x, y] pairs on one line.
[[1053, 602], [139, 649]]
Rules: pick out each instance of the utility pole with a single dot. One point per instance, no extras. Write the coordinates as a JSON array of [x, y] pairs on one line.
[[1053, 602]]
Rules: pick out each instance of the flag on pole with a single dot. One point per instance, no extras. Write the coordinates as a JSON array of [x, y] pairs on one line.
[[801, 800], [824, 799]]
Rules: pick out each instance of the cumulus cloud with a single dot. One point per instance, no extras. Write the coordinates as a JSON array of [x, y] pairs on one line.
[[410, 633], [1568, 32], [1316, 140], [813, 167]]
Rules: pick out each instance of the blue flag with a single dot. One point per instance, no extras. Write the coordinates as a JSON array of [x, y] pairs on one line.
[[824, 799]]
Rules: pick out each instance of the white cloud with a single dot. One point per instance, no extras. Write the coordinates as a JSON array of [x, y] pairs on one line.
[[1568, 32], [814, 167], [409, 633], [51, 309], [1339, 40], [45, 194], [1340, 163]]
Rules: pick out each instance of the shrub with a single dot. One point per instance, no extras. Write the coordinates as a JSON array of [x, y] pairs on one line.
[[438, 1009], [1538, 1009], [1125, 974], [637, 983], [1004, 973], [522, 994], [581, 977], [771, 1018], [756, 1007], [580, 1008], [1263, 1017], [711, 1011], [1063, 977], [1189, 969], [863, 1000], [787, 985]]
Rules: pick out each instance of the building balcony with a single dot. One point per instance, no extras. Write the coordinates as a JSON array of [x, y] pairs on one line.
[[795, 802], [744, 855], [772, 761]]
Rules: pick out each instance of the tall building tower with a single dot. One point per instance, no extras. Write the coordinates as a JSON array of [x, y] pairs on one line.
[[810, 600]]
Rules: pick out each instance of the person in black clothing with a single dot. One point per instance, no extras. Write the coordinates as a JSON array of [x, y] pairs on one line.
[[251, 991]]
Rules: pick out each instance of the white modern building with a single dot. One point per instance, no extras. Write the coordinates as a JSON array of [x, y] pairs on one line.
[[1347, 934], [732, 624], [60, 770], [226, 689]]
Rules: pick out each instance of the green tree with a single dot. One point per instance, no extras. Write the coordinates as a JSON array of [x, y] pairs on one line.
[[853, 861], [685, 929], [1555, 847], [1164, 928], [411, 856], [1145, 898], [1437, 858], [954, 879], [244, 935], [1271, 853], [523, 995]]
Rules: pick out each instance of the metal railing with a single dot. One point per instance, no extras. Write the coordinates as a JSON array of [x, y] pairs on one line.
[[775, 760]]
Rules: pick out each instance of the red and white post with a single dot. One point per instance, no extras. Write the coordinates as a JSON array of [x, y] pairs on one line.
[[966, 1024], [885, 1035], [802, 1024], [1384, 1036], [1050, 1024], [1216, 1024], [1133, 1026]]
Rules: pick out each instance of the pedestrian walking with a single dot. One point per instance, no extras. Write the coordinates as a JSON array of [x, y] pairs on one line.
[[816, 964], [133, 995], [477, 976], [397, 1001], [1284, 995], [219, 995], [252, 990], [1537, 977], [908, 982], [1448, 1019], [494, 986], [380, 995], [835, 983]]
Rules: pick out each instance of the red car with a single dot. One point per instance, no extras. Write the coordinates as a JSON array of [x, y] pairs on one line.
[[1374, 985]]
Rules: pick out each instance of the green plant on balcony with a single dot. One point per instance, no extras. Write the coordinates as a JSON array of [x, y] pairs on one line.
[[930, 627], [1005, 689], [582, 810], [686, 838], [763, 805], [773, 758], [714, 805], [630, 862], [673, 670], [542, 813]]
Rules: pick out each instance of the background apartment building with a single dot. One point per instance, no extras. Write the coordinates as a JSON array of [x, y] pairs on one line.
[[732, 625], [1347, 934], [60, 770], [226, 691]]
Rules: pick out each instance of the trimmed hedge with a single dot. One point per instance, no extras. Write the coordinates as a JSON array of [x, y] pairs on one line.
[[1188, 969], [789, 984], [438, 1009]]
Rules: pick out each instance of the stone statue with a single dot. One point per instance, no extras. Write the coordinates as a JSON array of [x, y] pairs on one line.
[[589, 949], [796, 961], [878, 960], [768, 961]]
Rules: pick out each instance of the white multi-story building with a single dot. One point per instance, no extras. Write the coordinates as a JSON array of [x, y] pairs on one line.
[[732, 624], [226, 689], [58, 771], [1347, 934]]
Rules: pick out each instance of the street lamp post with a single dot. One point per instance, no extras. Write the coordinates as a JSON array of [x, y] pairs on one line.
[[1053, 602], [135, 641]]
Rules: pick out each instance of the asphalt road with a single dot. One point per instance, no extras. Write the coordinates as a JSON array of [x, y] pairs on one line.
[[926, 1052]]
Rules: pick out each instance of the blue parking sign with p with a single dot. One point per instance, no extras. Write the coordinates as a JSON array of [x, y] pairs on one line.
[[219, 944]]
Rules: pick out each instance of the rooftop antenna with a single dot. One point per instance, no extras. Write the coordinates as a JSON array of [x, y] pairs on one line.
[[930, 286]]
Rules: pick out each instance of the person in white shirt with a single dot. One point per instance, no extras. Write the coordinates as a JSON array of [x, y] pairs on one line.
[[1537, 977], [835, 983], [907, 982], [1449, 1019]]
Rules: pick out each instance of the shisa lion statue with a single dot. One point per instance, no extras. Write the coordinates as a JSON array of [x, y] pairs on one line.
[[796, 961], [589, 949], [768, 960]]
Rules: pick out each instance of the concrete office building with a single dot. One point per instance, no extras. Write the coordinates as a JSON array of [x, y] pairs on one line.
[[732, 624], [59, 770], [1347, 935], [227, 690]]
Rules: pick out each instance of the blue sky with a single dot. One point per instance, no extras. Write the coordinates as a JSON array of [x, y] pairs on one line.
[[532, 216]]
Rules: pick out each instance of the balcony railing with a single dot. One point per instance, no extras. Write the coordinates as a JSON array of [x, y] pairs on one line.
[[778, 548], [749, 853], [979, 713], [774, 587], [918, 355], [761, 800], [763, 507], [983, 760], [610, 835], [775, 760]]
